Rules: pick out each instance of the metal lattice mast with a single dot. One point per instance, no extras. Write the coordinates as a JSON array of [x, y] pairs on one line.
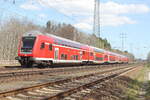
[[96, 25], [123, 37]]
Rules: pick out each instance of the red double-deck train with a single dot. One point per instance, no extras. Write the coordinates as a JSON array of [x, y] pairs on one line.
[[48, 49]]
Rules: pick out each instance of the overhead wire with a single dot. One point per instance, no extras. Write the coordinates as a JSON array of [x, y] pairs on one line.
[[65, 15]]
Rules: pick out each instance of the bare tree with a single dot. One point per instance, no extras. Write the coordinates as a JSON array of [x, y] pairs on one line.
[[10, 34], [66, 31], [148, 57]]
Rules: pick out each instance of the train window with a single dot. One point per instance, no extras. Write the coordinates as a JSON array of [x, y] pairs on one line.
[[28, 42], [112, 59], [99, 58], [76, 57], [64, 56], [83, 52], [42, 45], [72, 57], [96, 58], [50, 47], [105, 56], [91, 54]]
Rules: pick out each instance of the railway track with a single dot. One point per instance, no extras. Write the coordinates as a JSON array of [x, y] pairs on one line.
[[20, 69], [51, 71], [61, 89]]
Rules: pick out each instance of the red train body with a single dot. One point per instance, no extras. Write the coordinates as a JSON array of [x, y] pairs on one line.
[[37, 48]]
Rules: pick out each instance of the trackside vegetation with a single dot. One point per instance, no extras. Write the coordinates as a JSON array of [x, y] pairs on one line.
[[132, 91], [147, 94], [139, 86]]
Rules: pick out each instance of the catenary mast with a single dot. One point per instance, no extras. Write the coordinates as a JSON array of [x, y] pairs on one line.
[[96, 24]]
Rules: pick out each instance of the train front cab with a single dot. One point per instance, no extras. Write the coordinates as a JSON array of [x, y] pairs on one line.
[[25, 50], [35, 49]]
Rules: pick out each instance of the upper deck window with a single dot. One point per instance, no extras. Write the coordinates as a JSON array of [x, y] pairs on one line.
[[68, 43]]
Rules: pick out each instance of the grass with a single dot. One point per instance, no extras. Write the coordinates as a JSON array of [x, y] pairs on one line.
[[141, 76], [136, 83], [140, 81], [147, 94], [132, 90]]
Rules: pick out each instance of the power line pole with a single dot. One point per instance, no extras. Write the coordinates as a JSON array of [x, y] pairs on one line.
[[123, 37], [96, 24]]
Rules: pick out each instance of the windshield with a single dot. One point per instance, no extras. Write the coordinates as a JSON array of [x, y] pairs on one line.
[[28, 42]]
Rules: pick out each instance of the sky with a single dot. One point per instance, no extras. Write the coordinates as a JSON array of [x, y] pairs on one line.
[[128, 17]]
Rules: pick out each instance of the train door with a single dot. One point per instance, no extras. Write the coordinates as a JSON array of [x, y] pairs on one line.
[[56, 54], [106, 58], [81, 55]]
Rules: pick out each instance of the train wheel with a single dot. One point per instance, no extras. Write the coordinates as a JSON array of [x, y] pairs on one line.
[[50, 64], [27, 65]]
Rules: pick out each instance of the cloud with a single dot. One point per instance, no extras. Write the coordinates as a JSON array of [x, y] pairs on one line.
[[70, 7], [29, 6], [111, 13], [116, 8], [115, 20], [83, 26], [114, 14]]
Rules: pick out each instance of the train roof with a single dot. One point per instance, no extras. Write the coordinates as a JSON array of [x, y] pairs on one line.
[[67, 42], [32, 33], [117, 54], [97, 49]]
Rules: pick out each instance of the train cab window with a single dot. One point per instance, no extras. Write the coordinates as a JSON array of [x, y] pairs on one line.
[[42, 45], [50, 47], [28, 42]]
